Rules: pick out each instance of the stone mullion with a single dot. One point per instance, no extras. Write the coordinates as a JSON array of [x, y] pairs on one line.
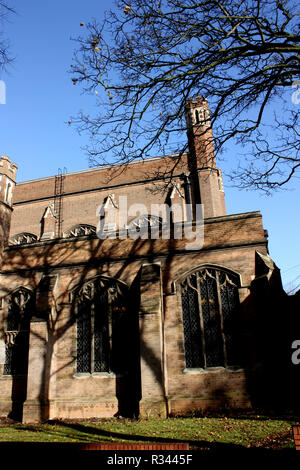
[[92, 325], [109, 324], [201, 320], [221, 318]]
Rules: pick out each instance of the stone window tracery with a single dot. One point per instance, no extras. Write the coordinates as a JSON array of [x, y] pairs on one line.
[[101, 321], [23, 238], [19, 310], [80, 230], [144, 222], [210, 304]]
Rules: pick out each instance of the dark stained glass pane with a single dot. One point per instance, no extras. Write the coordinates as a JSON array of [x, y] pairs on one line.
[[230, 304], [211, 322], [191, 325], [8, 366], [16, 355], [120, 335], [13, 317], [101, 333], [84, 337], [17, 324]]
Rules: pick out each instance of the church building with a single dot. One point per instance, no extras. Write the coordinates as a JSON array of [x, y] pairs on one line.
[[103, 315]]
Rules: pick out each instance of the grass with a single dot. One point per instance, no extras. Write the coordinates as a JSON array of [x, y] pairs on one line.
[[240, 430]]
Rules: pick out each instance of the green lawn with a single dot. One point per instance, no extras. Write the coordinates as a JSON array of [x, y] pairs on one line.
[[246, 430]]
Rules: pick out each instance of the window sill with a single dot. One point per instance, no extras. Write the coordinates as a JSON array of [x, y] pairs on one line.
[[12, 376], [103, 374], [199, 370], [83, 375]]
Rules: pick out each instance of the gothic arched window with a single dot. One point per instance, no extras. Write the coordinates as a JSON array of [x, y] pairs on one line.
[[19, 312], [144, 225], [23, 238], [210, 304], [80, 230], [101, 326]]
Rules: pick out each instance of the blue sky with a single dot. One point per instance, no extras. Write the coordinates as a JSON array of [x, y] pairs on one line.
[[41, 98]]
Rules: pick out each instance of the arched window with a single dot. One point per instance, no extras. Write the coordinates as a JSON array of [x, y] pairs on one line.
[[210, 304], [143, 225], [19, 312], [23, 238], [80, 230], [101, 326]]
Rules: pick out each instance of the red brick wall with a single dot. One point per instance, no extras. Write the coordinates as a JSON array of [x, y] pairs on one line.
[[229, 242], [85, 191]]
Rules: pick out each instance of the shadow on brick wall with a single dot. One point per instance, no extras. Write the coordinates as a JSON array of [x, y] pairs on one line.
[[272, 323]]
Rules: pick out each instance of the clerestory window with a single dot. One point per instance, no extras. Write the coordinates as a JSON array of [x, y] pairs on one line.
[[80, 230]]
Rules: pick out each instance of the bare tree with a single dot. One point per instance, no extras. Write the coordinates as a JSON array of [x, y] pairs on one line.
[[5, 57], [146, 59]]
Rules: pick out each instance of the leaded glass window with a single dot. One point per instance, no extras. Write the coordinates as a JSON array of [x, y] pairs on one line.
[[19, 307], [101, 326], [210, 304]]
